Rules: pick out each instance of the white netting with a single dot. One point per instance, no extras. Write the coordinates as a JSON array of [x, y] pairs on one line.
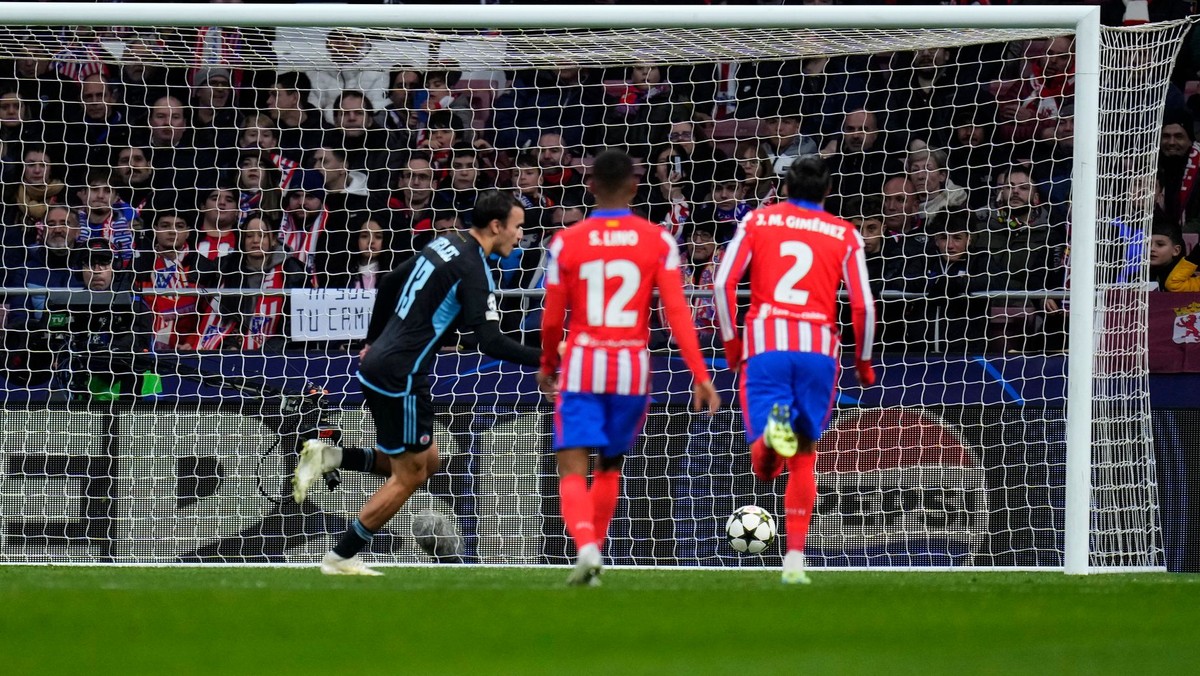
[[162, 425]]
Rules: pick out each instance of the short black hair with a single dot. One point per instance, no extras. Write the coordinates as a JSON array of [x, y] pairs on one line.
[[808, 179], [492, 205], [947, 222], [611, 170]]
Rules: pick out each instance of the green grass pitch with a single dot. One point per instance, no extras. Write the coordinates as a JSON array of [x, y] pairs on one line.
[[435, 620]]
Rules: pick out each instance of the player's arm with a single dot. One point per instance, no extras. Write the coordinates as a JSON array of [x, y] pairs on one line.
[[554, 311], [669, 280], [481, 316], [386, 297], [862, 309], [725, 284]]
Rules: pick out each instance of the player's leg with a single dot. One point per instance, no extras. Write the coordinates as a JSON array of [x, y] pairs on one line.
[[578, 428], [404, 432], [766, 389], [814, 378], [625, 417]]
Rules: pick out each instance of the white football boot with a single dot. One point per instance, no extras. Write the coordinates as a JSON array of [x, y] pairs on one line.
[[316, 458]]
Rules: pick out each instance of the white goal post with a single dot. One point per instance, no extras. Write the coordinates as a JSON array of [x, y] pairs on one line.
[[1107, 518]]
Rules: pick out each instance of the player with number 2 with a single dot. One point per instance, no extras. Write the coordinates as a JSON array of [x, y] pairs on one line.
[[604, 270], [798, 256]]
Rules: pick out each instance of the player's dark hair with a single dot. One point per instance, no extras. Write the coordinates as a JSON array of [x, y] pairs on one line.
[[808, 179], [611, 171], [492, 205]]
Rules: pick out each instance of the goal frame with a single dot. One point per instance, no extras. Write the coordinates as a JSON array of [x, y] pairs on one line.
[[1082, 21]]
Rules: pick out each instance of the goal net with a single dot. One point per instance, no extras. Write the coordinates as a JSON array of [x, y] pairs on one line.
[[196, 219]]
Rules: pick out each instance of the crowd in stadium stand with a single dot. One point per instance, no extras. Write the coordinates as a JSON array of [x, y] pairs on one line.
[[954, 163]]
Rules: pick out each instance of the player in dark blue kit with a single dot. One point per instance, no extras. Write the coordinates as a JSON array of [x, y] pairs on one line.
[[419, 306]]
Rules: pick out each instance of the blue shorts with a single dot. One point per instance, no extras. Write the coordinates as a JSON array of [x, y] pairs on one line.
[[803, 380], [608, 423]]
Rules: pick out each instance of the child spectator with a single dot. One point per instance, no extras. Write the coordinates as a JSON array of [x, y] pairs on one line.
[[1166, 250], [106, 216], [259, 183], [38, 189], [250, 322], [171, 265], [702, 255], [462, 189], [217, 230], [527, 179]]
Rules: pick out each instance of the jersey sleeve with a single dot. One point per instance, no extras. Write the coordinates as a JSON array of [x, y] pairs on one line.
[[475, 295], [554, 312], [862, 303], [729, 275], [669, 281]]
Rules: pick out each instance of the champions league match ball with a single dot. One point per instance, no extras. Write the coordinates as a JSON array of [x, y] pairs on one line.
[[750, 529]]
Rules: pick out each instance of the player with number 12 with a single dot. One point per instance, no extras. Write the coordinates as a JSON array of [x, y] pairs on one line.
[[603, 270], [798, 256]]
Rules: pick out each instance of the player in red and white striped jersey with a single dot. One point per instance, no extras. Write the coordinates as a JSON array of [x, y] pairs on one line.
[[604, 271], [799, 256]]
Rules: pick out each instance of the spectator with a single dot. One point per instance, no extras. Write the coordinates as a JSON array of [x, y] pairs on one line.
[[725, 206], [867, 216], [1018, 234], [784, 142], [259, 132], [445, 222], [46, 262], [901, 210], [970, 154], [1054, 77], [1166, 250], [442, 134], [760, 175], [857, 159], [632, 109], [217, 229], [181, 169], [348, 50], [105, 336], [106, 216], [97, 125], [465, 182], [302, 224], [954, 317], [661, 198], [170, 264], [400, 117], [345, 203], [699, 158], [702, 255], [37, 190], [935, 192], [259, 183], [921, 95], [253, 322], [527, 179], [561, 98], [438, 94], [214, 113], [562, 173], [301, 127], [412, 200], [133, 178], [1178, 163], [1053, 158], [373, 258], [357, 134]]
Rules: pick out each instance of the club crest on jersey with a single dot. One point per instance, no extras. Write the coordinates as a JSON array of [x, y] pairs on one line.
[[425, 439], [613, 238]]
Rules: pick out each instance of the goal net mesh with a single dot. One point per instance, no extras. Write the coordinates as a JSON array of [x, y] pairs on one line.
[[196, 220]]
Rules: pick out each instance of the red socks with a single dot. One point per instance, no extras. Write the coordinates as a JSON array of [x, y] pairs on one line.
[[606, 487], [799, 498], [577, 510], [766, 463]]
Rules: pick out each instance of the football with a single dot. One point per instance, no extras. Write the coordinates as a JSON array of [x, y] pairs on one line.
[[750, 529]]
